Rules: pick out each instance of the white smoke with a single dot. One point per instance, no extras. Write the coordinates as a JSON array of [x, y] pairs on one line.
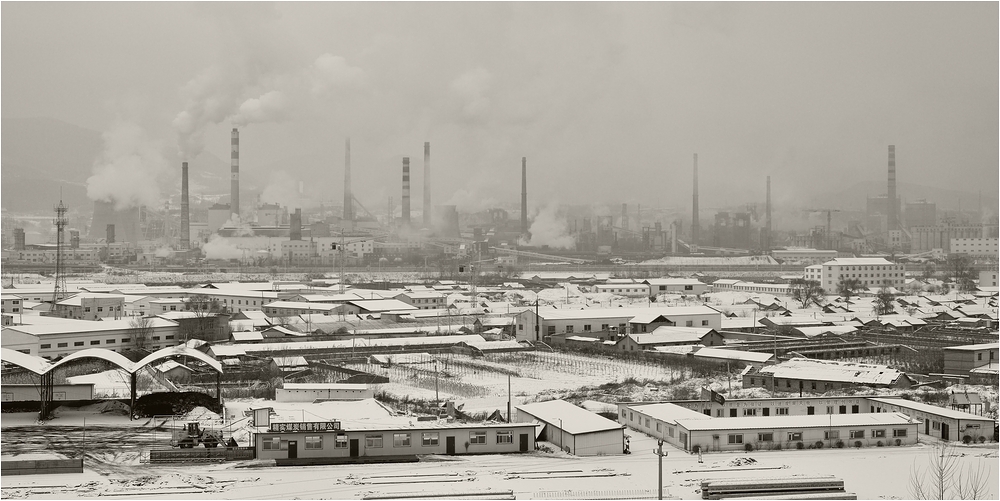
[[163, 252], [471, 88], [281, 189], [220, 248], [548, 228], [126, 172], [243, 96]]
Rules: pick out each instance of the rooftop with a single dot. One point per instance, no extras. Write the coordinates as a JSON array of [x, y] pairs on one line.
[[974, 347], [829, 370], [668, 412], [569, 417], [558, 314], [800, 421], [859, 261], [928, 408]]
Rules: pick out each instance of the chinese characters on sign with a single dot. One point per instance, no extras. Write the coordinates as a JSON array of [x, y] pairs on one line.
[[306, 426]]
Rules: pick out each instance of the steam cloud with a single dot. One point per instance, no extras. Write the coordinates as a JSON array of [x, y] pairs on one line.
[[126, 172], [548, 228], [220, 248]]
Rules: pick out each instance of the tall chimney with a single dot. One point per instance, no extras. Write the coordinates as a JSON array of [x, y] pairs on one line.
[[524, 196], [295, 226], [234, 198], [767, 224], [891, 222], [427, 184], [625, 216], [110, 238], [348, 196], [185, 208], [695, 229], [406, 190]]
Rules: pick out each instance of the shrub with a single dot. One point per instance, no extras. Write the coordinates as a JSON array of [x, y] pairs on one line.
[[857, 443], [840, 444], [776, 446], [966, 439], [982, 439], [748, 447], [696, 449], [899, 442], [819, 444], [800, 445], [879, 444]]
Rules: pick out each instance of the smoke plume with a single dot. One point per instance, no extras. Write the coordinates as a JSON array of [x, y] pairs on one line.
[[220, 248], [126, 171], [548, 228]]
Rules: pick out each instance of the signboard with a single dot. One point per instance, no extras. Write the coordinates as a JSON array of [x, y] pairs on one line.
[[262, 417], [305, 426]]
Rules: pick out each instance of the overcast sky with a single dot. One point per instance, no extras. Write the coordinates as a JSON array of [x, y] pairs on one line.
[[607, 100]]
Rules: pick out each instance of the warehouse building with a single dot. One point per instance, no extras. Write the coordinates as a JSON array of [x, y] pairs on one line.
[[670, 336], [574, 429], [961, 360], [557, 321], [686, 286], [803, 374], [326, 440], [940, 422], [60, 339], [311, 392]]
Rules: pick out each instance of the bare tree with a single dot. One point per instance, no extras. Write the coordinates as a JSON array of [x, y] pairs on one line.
[[848, 287], [140, 331], [884, 301], [960, 268], [206, 310], [946, 478], [806, 291]]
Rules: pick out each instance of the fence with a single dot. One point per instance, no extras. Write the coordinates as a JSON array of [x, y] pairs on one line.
[[199, 455], [42, 467], [607, 494]]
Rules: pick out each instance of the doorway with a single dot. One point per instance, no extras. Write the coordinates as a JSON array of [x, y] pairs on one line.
[[293, 449], [450, 445], [524, 442], [944, 432], [354, 448]]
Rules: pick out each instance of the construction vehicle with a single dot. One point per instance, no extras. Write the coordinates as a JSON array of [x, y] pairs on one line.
[[191, 435]]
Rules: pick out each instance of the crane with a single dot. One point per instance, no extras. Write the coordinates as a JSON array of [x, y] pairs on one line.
[[829, 213]]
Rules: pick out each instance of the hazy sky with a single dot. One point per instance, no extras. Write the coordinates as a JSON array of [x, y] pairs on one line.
[[607, 100]]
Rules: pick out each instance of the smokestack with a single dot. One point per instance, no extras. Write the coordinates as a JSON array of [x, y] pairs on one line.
[[625, 216], [695, 228], [524, 196], [348, 196], [767, 226], [406, 190], [427, 184], [295, 226], [234, 198], [110, 238], [185, 209], [892, 218]]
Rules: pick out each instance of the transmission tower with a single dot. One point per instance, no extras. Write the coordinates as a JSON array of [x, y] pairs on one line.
[[59, 291]]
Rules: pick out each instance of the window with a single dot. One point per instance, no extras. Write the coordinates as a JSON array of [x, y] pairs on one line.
[[670, 431], [631, 416], [935, 425], [340, 442], [795, 436], [855, 409], [718, 412], [810, 410], [373, 441], [899, 432], [788, 383], [272, 444], [100, 309], [109, 341], [429, 439], [550, 329], [843, 409], [658, 428], [704, 322], [765, 437], [62, 345], [95, 342], [750, 412], [586, 327], [505, 437], [569, 329], [400, 439], [168, 337], [857, 433], [124, 339], [45, 346], [477, 437], [781, 411], [314, 442], [604, 327], [765, 411], [829, 409], [831, 434], [77, 343], [813, 385], [732, 412], [689, 323], [156, 338], [736, 438], [878, 433]]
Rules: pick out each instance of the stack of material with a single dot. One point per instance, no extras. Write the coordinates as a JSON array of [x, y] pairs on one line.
[[776, 488]]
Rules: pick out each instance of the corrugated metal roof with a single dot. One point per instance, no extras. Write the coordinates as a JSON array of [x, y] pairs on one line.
[[83, 326], [829, 370], [668, 412], [928, 408], [799, 421], [555, 314], [568, 417], [743, 356]]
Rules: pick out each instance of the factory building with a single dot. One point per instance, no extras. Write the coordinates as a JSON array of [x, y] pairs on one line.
[[90, 307], [803, 255], [573, 429], [975, 247], [312, 392], [63, 338], [686, 286]]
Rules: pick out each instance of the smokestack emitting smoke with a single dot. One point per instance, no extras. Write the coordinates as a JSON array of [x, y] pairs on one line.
[[427, 184], [695, 230], [891, 223], [348, 196], [406, 190], [767, 225], [234, 202], [185, 214], [524, 196]]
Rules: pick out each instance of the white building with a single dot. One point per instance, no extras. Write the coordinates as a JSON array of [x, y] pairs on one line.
[[574, 429], [803, 255], [814, 273], [978, 247], [423, 300], [675, 286], [623, 289], [311, 392], [556, 321], [870, 272]]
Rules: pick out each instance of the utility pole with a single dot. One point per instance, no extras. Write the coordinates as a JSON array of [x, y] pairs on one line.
[[437, 401], [508, 398], [659, 453]]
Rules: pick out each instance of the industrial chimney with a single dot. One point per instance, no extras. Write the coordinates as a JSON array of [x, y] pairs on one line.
[[234, 198], [295, 226], [892, 221], [348, 196], [406, 190], [110, 238], [524, 197], [625, 216], [695, 229], [767, 223], [427, 184], [185, 242]]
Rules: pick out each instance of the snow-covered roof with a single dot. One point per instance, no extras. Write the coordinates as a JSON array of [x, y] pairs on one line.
[[742, 356], [673, 281], [836, 330], [325, 386], [667, 311], [303, 305], [668, 413], [798, 421], [247, 336], [289, 361], [381, 305], [171, 364], [681, 349], [858, 261], [974, 347], [83, 326], [568, 417], [830, 370], [927, 408], [671, 334], [226, 350], [359, 342], [583, 339], [739, 323]]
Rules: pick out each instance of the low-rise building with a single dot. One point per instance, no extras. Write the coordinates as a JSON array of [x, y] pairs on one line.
[[803, 374], [555, 321], [90, 307], [685, 286], [423, 300], [870, 272], [670, 336], [961, 360], [311, 392], [976, 247], [60, 339], [574, 429], [801, 255]]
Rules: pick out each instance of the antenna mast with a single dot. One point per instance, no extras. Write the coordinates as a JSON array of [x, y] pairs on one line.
[[59, 291]]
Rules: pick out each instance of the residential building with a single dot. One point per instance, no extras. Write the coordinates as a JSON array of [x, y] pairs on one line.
[[687, 286], [961, 360], [573, 429], [670, 336], [623, 289], [870, 272], [423, 300], [976, 247], [90, 307], [555, 321], [819, 376]]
